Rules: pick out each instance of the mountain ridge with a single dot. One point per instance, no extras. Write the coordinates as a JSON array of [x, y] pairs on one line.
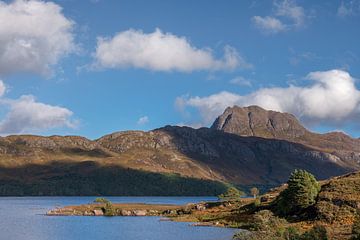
[[263, 152]]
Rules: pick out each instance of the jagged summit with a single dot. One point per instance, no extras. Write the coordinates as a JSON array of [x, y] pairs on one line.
[[256, 121]]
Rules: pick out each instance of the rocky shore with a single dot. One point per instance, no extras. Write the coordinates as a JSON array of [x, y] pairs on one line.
[[128, 209]]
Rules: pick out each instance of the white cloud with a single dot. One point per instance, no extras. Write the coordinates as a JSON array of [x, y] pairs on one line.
[[331, 98], [160, 51], [26, 115], [241, 81], [34, 35], [287, 15], [143, 120], [289, 9], [268, 24]]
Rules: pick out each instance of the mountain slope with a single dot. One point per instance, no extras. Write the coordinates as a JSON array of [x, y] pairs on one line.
[[255, 121], [245, 146]]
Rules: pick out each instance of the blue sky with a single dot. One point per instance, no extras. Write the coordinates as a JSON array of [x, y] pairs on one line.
[[94, 67]]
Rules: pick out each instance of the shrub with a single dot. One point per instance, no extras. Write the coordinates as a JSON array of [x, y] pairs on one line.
[[265, 221], [316, 233], [232, 194], [109, 209], [356, 227], [300, 194], [101, 200]]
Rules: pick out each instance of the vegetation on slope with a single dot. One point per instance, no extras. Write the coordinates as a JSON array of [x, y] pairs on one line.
[[89, 178], [305, 213], [300, 194]]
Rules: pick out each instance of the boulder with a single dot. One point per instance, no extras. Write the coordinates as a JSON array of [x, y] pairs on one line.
[[125, 213], [139, 212], [98, 212]]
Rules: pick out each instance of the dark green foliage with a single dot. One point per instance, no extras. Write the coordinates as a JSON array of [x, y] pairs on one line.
[[109, 210], [316, 233], [300, 194], [269, 227], [70, 179], [356, 227], [232, 194]]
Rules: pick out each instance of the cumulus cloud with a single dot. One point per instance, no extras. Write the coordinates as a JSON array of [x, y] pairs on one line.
[[34, 35], [143, 120], [287, 15], [159, 51], [330, 98], [26, 115], [268, 24]]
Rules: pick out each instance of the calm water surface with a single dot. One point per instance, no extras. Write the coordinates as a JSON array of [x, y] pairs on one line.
[[24, 219]]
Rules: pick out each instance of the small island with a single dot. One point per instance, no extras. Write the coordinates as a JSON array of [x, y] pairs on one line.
[[301, 209]]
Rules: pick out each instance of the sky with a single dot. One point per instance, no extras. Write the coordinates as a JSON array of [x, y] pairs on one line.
[[93, 67]]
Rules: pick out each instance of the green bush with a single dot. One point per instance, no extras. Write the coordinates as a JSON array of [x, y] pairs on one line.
[[232, 194], [300, 194], [266, 226], [101, 200], [109, 209], [316, 233], [278, 231]]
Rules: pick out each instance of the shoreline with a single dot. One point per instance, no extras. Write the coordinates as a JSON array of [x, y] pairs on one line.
[[199, 214]]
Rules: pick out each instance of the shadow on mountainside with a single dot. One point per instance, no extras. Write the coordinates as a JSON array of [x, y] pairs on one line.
[[252, 160], [89, 178]]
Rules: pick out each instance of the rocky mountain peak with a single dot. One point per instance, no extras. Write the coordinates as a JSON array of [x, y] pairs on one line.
[[256, 121]]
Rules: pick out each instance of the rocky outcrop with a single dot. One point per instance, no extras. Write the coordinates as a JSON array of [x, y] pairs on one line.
[[256, 121]]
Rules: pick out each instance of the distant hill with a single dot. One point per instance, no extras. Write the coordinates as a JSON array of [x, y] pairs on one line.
[[244, 146]]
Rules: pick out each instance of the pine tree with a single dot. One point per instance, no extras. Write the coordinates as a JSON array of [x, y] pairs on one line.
[[300, 194]]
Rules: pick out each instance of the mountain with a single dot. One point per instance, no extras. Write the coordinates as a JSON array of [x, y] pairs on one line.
[[244, 146], [255, 121]]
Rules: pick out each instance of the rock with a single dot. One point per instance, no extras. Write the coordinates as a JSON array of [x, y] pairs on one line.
[[98, 212], [125, 213], [201, 206], [140, 212], [88, 213]]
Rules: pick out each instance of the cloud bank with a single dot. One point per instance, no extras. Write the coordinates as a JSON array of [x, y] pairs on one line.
[[331, 98], [26, 115], [159, 51], [34, 36]]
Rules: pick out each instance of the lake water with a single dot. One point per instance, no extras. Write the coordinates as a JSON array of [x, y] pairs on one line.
[[22, 218]]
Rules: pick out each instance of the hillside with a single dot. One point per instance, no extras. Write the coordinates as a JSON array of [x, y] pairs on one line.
[[244, 146]]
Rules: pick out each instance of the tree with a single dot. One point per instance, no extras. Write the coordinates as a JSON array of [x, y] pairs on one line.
[[300, 194], [254, 191], [231, 194]]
